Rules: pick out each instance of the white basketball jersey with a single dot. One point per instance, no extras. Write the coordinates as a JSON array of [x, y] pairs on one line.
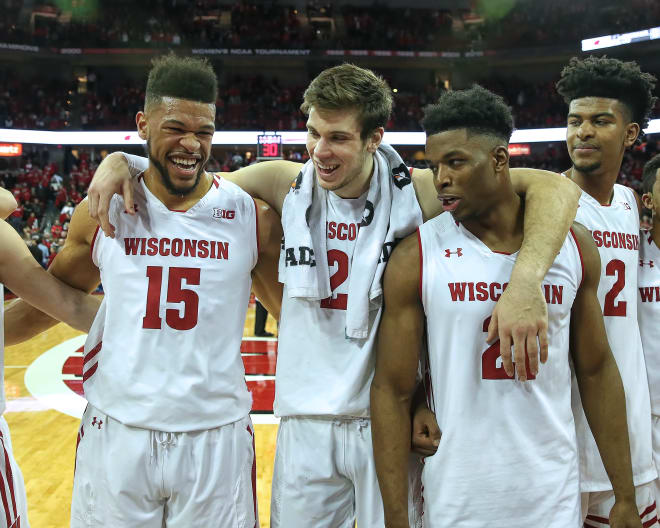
[[615, 230], [319, 370], [164, 350], [3, 402], [508, 454], [648, 308]]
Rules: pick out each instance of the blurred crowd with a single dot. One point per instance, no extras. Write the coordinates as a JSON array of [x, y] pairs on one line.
[[47, 194], [245, 24]]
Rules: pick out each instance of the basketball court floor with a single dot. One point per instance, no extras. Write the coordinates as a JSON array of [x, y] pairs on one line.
[[43, 384]]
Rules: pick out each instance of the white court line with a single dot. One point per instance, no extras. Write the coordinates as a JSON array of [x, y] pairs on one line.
[[17, 366]]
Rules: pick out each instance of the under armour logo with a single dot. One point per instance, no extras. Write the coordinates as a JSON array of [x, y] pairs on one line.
[[458, 252], [97, 422], [650, 263]]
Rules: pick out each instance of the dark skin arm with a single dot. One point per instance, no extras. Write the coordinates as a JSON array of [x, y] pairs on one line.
[[73, 266], [392, 391], [601, 389], [264, 275]]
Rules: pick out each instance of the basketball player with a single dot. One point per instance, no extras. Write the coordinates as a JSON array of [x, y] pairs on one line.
[[323, 377], [648, 300], [508, 453], [609, 103], [27, 279], [166, 439]]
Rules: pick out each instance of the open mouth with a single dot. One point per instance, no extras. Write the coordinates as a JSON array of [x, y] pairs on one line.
[[184, 166], [326, 170], [450, 203]]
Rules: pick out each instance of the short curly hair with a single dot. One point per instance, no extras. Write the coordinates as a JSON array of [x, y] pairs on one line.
[[476, 109], [190, 78], [611, 78], [650, 173]]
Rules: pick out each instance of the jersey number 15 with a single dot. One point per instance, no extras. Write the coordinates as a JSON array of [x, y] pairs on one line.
[[175, 294]]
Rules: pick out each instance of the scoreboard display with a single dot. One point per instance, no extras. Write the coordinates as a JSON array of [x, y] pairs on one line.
[[269, 146]]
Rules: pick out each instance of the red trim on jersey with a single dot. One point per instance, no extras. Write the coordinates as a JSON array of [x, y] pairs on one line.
[[410, 170], [92, 352], [577, 245], [178, 210], [421, 262], [216, 181], [501, 252], [88, 374], [91, 247], [254, 478], [256, 217], [591, 525]]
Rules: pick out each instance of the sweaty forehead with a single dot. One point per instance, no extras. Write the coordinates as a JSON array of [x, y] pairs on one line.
[[185, 110]]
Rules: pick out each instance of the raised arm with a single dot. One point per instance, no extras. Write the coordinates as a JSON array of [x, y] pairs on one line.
[[264, 275], [521, 314], [601, 389], [7, 203], [72, 266], [269, 181], [397, 355]]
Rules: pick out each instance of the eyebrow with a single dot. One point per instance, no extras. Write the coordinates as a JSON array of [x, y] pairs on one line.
[[593, 116], [343, 132], [183, 125]]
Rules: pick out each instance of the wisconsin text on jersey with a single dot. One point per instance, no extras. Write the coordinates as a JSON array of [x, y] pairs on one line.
[[615, 240], [177, 247], [483, 291]]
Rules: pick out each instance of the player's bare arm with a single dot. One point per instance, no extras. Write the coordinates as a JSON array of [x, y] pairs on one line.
[[264, 275], [601, 389], [28, 280], [397, 354], [73, 266], [269, 181], [7, 203], [520, 315]]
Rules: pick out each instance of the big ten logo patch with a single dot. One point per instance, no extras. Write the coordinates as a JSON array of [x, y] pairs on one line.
[[226, 214]]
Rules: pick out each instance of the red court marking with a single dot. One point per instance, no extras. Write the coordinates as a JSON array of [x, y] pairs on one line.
[[258, 347], [263, 394], [76, 386], [261, 364], [73, 365]]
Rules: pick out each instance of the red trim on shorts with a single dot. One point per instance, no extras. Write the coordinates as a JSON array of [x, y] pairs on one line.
[[585, 525], [256, 217], [81, 434], [577, 244], [9, 483], [650, 522], [648, 510], [91, 247], [254, 477], [602, 520], [421, 262]]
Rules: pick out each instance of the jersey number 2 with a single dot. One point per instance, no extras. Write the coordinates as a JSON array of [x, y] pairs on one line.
[[175, 294], [490, 357], [338, 277], [618, 268]]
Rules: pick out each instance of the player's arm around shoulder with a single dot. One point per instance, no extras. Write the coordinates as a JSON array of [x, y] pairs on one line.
[[264, 275], [7, 203], [73, 267], [397, 355], [599, 381], [269, 181]]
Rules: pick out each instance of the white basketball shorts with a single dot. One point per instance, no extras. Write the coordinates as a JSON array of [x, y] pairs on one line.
[[596, 506], [134, 477], [325, 476]]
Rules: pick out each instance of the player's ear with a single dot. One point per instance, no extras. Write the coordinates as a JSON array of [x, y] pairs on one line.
[[647, 200], [374, 139], [141, 122], [632, 131], [501, 158]]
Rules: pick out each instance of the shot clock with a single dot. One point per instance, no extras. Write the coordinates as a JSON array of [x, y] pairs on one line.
[[269, 146]]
